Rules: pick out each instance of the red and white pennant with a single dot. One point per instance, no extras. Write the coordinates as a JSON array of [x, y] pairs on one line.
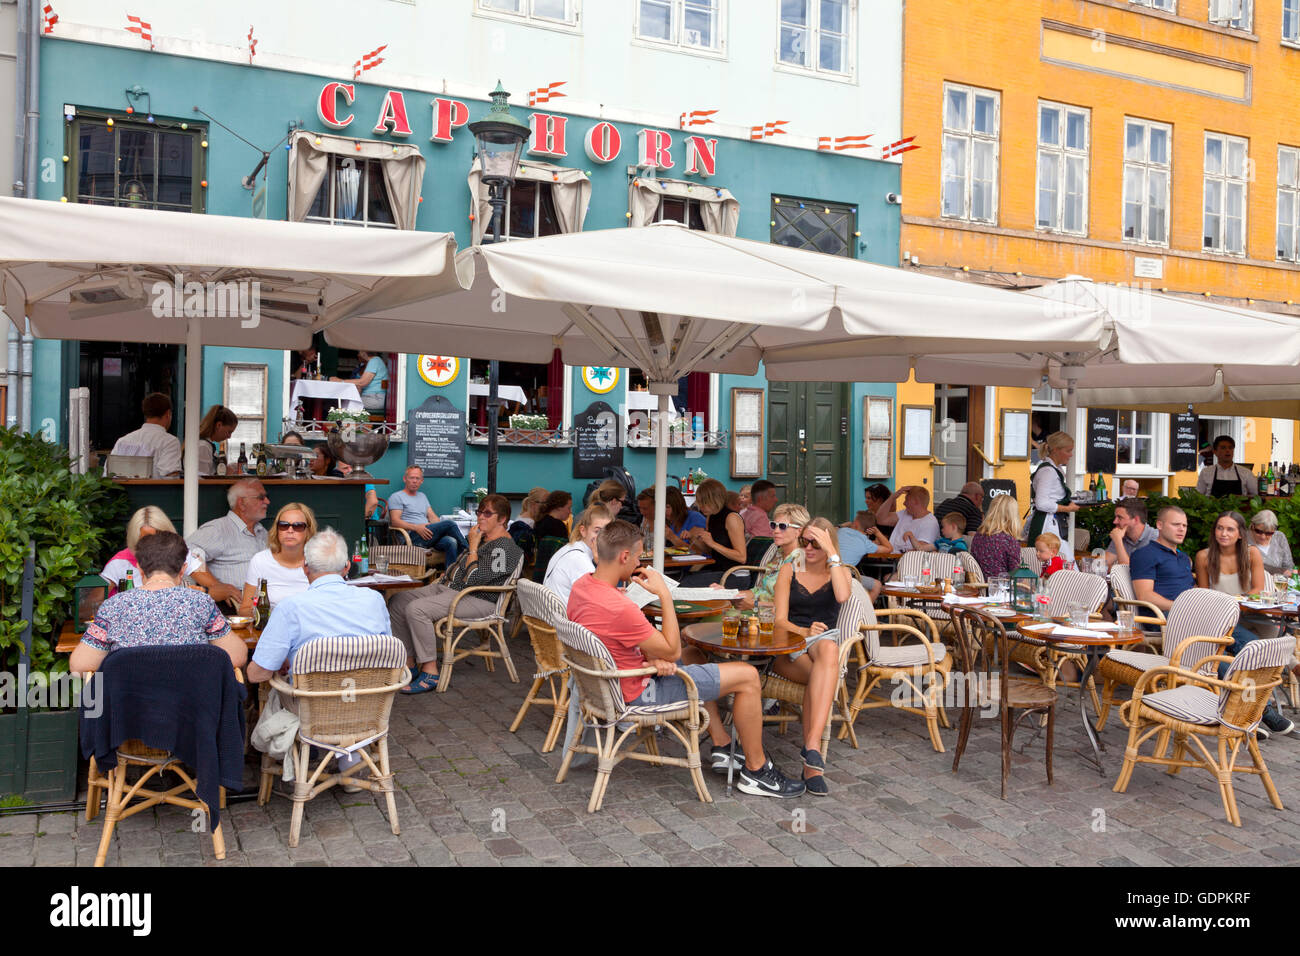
[[49, 18], [141, 29], [898, 148], [695, 118], [767, 129], [252, 45], [841, 143], [368, 61], [544, 94]]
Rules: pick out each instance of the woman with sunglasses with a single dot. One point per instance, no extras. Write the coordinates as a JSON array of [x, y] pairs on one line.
[[808, 603], [1272, 543], [281, 564], [787, 521]]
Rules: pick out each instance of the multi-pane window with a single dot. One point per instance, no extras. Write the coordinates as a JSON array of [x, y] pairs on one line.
[[353, 194], [1291, 21], [685, 211], [815, 34], [1231, 13], [1288, 203], [1062, 169], [1135, 439], [691, 24], [1156, 4], [530, 211], [808, 224], [1146, 181], [244, 393], [1225, 194], [140, 165], [970, 153], [552, 11]]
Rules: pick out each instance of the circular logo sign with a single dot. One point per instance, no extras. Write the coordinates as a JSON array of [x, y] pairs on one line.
[[439, 369], [599, 378]]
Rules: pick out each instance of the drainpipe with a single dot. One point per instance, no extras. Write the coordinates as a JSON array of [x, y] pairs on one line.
[[26, 374], [12, 375], [31, 133], [21, 80]]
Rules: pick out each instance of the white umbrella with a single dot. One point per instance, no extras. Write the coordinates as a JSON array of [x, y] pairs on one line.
[[669, 300], [107, 273]]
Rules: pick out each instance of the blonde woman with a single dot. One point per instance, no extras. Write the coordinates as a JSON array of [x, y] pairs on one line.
[[578, 557], [281, 564], [148, 520], [217, 426], [996, 545], [787, 521], [723, 536], [609, 494], [521, 529], [1049, 495], [808, 603]]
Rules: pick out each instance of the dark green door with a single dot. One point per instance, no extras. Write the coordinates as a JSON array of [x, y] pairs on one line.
[[808, 433]]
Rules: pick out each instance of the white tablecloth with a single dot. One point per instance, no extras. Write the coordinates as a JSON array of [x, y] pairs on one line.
[[510, 393], [342, 392]]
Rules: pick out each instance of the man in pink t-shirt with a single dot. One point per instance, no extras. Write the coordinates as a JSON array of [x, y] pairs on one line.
[[596, 603], [757, 516]]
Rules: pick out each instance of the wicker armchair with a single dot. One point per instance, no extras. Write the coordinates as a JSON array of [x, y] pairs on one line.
[[342, 691], [546, 548], [408, 559], [983, 647], [1047, 659], [1121, 586], [853, 614], [1029, 557], [769, 556], [1197, 611], [600, 701], [922, 667], [1190, 710], [540, 606], [452, 630], [941, 568]]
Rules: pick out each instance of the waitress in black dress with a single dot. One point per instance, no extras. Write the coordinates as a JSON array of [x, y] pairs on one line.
[[1225, 477], [1049, 495]]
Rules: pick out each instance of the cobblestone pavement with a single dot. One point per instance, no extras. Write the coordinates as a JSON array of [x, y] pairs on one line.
[[473, 794]]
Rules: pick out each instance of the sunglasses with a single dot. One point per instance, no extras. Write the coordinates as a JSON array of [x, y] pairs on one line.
[[810, 545], [291, 525], [1260, 533], [782, 526]]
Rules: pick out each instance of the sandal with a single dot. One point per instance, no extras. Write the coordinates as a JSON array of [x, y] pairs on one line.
[[423, 683]]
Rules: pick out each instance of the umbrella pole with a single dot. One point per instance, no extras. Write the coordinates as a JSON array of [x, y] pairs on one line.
[[1071, 373], [661, 468], [193, 415]]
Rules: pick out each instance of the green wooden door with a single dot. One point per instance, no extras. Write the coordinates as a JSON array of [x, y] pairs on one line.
[[807, 443]]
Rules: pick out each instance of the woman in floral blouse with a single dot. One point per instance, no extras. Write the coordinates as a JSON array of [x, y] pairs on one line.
[[996, 546]]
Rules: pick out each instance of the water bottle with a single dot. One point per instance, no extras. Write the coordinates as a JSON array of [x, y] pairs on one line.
[[958, 576], [927, 573]]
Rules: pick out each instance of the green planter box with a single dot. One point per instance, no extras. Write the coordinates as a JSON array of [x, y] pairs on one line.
[[38, 755]]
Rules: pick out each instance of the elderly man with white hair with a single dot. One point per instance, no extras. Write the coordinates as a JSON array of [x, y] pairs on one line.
[[228, 543]]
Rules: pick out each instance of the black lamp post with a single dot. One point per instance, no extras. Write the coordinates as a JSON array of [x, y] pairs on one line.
[[500, 139]]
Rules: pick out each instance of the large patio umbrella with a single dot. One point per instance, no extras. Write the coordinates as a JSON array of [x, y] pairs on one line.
[[669, 300], [106, 273]]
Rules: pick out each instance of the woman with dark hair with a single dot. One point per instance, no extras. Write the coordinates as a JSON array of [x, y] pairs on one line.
[[325, 465], [723, 536], [875, 496], [554, 512], [217, 426], [679, 520]]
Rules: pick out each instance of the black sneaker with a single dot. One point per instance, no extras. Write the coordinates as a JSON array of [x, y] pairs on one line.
[[721, 756], [769, 782], [1276, 723]]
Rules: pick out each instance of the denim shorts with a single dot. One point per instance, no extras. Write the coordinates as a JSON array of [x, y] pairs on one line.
[[668, 690], [832, 634]]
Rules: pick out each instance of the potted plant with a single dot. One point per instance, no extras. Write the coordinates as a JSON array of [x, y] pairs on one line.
[[68, 521], [526, 429]]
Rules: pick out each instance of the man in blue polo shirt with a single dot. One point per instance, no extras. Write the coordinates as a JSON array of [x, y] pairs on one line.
[[1161, 572]]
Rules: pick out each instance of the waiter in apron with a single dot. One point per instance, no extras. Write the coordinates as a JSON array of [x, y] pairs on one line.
[[1048, 495], [1224, 477]]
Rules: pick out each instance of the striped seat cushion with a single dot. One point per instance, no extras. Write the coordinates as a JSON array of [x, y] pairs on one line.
[[1029, 558], [908, 655], [1190, 704], [1138, 659], [941, 564], [677, 708], [347, 653], [540, 602], [1121, 582]]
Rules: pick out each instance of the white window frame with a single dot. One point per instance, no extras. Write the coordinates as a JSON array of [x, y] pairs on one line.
[[398, 433], [1169, 6], [1063, 152], [245, 416], [1291, 12], [677, 27], [332, 182], [572, 15], [1159, 435], [1233, 14], [1224, 179], [1288, 193], [849, 73], [566, 414], [1147, 167], [971, 138]]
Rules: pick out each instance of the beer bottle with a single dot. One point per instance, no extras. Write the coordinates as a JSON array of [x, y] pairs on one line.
[[130, 580], [261, 463], [243, 459], [261, 610], [1101, 487], [221, 461]]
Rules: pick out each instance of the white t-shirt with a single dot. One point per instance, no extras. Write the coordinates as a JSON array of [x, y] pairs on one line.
[[567, 565], [151, 439], [924, 528], [280, 581]]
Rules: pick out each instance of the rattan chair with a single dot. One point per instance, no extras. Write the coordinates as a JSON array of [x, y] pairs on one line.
[[941, 568], [451, 630], [601, 704], [769, 556], [412, 560], [1029, 558], [539, 606], [342, 691], [1121, 587], [922, 668], [1195, 612], [546, 548], [1190, 710], [1047, 658], [854, 612]]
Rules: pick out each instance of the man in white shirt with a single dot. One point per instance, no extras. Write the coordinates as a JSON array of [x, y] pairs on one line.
[[1224, 477], [228, 543], [153, 438], [915, 523]]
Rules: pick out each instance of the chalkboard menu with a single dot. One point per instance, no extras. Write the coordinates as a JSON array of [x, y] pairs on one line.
[[1184, 451], [595, 441], [435, 438], [1103, 423]]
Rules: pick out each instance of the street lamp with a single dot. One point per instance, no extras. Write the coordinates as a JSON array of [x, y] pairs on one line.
[[500, 139]]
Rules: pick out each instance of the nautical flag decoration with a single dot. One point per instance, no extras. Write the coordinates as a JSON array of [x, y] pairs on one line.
[[252, 45], [695, 118], [767, 129], [840, 143], [140, 28], [898, 148], [49, 18], [545, 93], [368, 61]]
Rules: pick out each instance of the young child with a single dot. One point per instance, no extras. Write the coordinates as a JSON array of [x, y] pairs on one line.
[[1047, 547], [951, 528]]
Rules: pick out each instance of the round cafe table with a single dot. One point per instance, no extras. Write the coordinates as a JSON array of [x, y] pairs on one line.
[[1095, 647], [689, 610]]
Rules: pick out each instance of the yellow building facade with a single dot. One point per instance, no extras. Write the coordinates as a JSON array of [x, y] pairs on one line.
[[1127, 142]]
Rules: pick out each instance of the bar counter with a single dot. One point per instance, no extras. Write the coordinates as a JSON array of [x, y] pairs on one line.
[[338, 502]]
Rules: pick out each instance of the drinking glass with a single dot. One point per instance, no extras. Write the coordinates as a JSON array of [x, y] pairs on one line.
[[1127, 618], [909, 581], [1078, 614], [381, 564], [766, 622]]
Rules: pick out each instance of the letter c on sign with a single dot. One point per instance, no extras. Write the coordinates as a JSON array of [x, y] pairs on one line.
[[327, 105]]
